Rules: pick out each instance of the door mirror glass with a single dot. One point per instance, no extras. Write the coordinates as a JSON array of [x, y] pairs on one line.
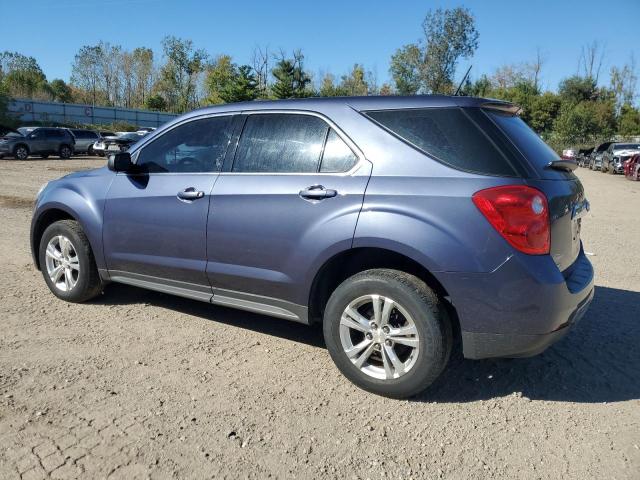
[[120, 162]]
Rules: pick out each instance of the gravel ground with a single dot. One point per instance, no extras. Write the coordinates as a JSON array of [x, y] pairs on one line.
[[139, 384]]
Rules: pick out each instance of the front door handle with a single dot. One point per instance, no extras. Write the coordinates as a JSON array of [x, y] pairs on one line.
[[190, 194], [317, 192]]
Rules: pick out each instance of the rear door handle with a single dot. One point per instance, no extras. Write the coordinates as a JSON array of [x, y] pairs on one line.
[[190, 194], [317, 192]]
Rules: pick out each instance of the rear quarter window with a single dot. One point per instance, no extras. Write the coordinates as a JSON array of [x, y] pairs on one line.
[[448, 135]]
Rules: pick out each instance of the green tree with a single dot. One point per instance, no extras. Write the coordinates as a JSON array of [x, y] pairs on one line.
[[328, 87], [544, 110], [291, 80], [449, 35], [405, 69], [22, 76], [577, 89], [60, 91], [178, 76], [585, 122], [156, 103], [354, 83], [629, 121], [220, 75], [86, 72]]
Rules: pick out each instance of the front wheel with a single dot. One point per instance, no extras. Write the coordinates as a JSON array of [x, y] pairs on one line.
[[67, 262], [387, 332]]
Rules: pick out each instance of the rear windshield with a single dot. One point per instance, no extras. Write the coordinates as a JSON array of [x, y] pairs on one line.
[[525, 139], [449, 135]]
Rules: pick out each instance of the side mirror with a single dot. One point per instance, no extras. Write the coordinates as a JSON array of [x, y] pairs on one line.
[[120, 162]]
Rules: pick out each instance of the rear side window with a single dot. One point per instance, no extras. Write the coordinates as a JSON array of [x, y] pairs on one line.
[[280, 143], [447, 134], [337, 156]]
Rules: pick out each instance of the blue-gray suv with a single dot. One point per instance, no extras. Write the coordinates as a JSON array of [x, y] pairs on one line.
[[404, 225]]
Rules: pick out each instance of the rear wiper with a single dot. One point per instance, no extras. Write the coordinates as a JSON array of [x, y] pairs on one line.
[[562, 164]]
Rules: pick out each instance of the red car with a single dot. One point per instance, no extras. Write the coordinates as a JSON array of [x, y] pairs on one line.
[[632, 168]]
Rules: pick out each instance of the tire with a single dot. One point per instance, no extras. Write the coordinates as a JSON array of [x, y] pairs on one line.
[[65, 152], [90, 151], [83, 282], [416, 308], [21, 152]]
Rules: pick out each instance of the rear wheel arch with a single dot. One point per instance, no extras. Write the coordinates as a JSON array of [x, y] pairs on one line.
[[355, 260]]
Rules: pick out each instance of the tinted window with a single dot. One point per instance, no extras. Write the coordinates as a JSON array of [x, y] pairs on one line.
[[530, 144], [448, 135], [196, 146], [54, 133], [337, 156], [280, 143]]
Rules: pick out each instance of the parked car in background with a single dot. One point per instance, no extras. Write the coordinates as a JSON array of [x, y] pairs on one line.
[[84, 140], [42, 141], [5, 135], [632, 168], [595, 161], [570, 153], [615, 156], [121, 142], [99, 146], [584, 155], [402, 225]]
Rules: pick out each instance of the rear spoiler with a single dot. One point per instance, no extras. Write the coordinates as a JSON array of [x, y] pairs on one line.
[[505, 107], [562, 164]]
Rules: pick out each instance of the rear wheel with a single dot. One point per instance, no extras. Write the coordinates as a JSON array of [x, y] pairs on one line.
[[387, 332], [90, 151], [67, 262], [21, 152], [65, 152]]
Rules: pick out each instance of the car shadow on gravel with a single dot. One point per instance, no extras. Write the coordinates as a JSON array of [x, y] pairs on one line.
[[598, 361], [118, 294]]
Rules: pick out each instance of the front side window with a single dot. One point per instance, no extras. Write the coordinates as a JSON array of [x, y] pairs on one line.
[[280, 143], [195, 146]]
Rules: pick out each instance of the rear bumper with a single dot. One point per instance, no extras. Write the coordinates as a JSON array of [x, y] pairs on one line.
[[522, 307], [513, 345]]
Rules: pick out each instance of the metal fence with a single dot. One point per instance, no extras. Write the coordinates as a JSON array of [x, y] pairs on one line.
[[37, 111]]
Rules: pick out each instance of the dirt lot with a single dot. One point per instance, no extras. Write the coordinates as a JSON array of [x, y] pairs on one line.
[[140, 384]]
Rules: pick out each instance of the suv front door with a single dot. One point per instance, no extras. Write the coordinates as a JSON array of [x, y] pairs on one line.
[[286, 201], [155, 219]]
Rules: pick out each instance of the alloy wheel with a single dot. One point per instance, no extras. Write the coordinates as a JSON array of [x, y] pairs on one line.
[[379, 336], [63, 264], [21, 153]]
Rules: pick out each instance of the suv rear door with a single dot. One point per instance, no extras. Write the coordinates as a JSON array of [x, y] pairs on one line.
[[288, 197]]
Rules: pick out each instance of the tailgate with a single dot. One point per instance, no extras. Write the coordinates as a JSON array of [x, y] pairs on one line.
[[567, 206]]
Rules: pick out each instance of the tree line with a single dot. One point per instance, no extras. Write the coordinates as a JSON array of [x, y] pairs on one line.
[[184, 77]]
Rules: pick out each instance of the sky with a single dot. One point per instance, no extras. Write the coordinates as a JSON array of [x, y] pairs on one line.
[[333, 35]]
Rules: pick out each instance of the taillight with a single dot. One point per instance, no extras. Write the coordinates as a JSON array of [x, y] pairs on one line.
[[520, 214]]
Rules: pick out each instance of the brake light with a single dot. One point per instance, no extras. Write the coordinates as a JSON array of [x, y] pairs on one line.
[[520, 214]]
